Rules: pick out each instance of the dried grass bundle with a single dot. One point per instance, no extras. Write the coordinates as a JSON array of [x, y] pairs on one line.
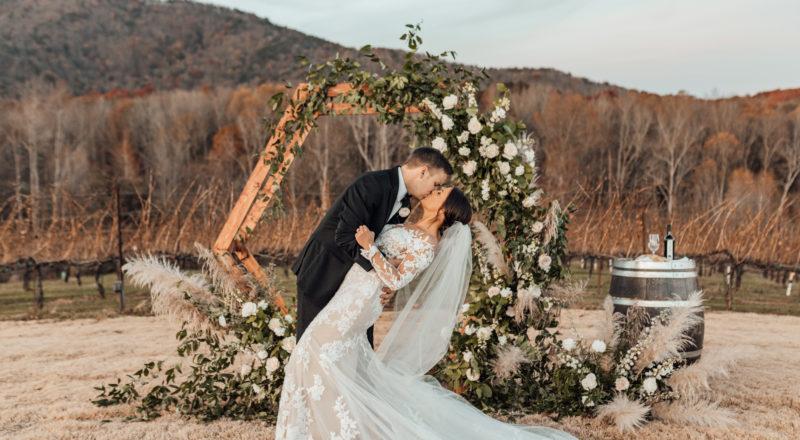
[[509, 358], [636, 319], [667, 340], [551, 223], [168, 284], [693, 381], [567, 291], [626, 414], [226, 284], [695, 412], [494, 254], [610, 328]]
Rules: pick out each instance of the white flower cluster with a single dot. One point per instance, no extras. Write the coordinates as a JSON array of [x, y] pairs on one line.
[[658, 372], [470, 90], [485, 189], [626, 363], [488, 148], [544, 262], [276, 326], [532, 199]]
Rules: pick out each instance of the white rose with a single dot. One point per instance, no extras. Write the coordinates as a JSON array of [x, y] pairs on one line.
[[288, 318], [510, 150], [499, 113], [474, 126], [520, 170], [262, 354], [439, 144], [447, 123], [537, 227], [469, 330], [650, 385], [528, 201], [530, 156], [222, 321], [502, 340], [246, 369], [262, 305], [272, 364], [473, 375], [621, 384], [491, 151], [467, 355], [510, 311], [463, 137], [288, 343], [589, 382], [484, 333], [535, 290], [598, 346], [544, 262], [506, 292], [493, 291], [469, 167], [568, 344], [449, 101], [504, 168], [464, 151], [276, 326], [249, 309]]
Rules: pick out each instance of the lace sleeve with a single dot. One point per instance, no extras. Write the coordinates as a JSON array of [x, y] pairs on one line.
[[413, 262]]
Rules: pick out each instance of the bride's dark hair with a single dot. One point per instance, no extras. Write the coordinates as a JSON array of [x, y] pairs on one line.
[[456, 209]]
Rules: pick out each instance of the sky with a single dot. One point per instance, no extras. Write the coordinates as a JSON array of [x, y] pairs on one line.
[[708, 48]]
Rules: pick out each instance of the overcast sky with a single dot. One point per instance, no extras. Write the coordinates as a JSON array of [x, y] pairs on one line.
[[704, 47]]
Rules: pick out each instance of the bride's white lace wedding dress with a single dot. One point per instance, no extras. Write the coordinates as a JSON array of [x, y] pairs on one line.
[[336, 387]]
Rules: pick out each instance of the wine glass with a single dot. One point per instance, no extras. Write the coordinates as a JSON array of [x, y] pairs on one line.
[[652, 243]]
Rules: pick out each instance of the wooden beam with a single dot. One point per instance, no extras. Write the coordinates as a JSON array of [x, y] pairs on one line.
[[262, 184]]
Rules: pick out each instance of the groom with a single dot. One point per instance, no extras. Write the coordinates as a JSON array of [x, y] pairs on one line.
[[375, 199]]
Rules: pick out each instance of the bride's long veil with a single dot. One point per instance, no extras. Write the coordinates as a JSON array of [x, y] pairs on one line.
[[427, 309]]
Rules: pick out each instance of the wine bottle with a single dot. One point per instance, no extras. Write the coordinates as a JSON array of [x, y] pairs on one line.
[[669, 244]]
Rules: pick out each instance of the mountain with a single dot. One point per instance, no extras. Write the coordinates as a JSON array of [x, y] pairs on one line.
[[102, 45]]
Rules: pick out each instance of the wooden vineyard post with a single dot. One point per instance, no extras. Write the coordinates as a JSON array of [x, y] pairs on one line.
[[261, 186]]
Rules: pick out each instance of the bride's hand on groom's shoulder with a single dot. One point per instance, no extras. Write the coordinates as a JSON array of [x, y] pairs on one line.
[[364, 237]]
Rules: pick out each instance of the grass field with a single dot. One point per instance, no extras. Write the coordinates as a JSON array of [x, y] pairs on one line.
[[757, 294], [49, 367], [70, 301]]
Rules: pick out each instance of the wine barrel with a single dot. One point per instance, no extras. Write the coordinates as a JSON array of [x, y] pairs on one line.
[[657, 285]]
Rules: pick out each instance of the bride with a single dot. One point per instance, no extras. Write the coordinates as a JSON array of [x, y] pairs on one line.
[[336, 387]]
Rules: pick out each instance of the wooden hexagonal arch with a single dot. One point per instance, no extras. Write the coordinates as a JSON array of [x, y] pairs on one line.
[[262, 184]]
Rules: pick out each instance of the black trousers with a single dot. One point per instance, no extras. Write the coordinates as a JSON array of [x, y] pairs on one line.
[[318, 278]]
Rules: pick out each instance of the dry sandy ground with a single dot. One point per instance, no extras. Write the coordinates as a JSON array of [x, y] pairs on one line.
[[48, 369]]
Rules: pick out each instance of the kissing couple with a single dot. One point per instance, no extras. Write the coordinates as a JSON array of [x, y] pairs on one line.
[[367, 249]]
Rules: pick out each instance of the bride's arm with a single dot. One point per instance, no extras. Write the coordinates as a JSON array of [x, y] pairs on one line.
[[393, 276]]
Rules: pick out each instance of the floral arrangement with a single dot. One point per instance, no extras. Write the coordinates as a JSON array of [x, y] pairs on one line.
[[236, 340], [507, 355]]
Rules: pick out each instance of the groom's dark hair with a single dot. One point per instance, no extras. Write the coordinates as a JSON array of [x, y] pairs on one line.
[[431, 157]]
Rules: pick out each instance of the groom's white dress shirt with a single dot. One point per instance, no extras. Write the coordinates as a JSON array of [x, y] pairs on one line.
[[401, 192]]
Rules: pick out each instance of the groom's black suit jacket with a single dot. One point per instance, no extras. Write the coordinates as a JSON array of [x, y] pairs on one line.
[[332, 250]]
